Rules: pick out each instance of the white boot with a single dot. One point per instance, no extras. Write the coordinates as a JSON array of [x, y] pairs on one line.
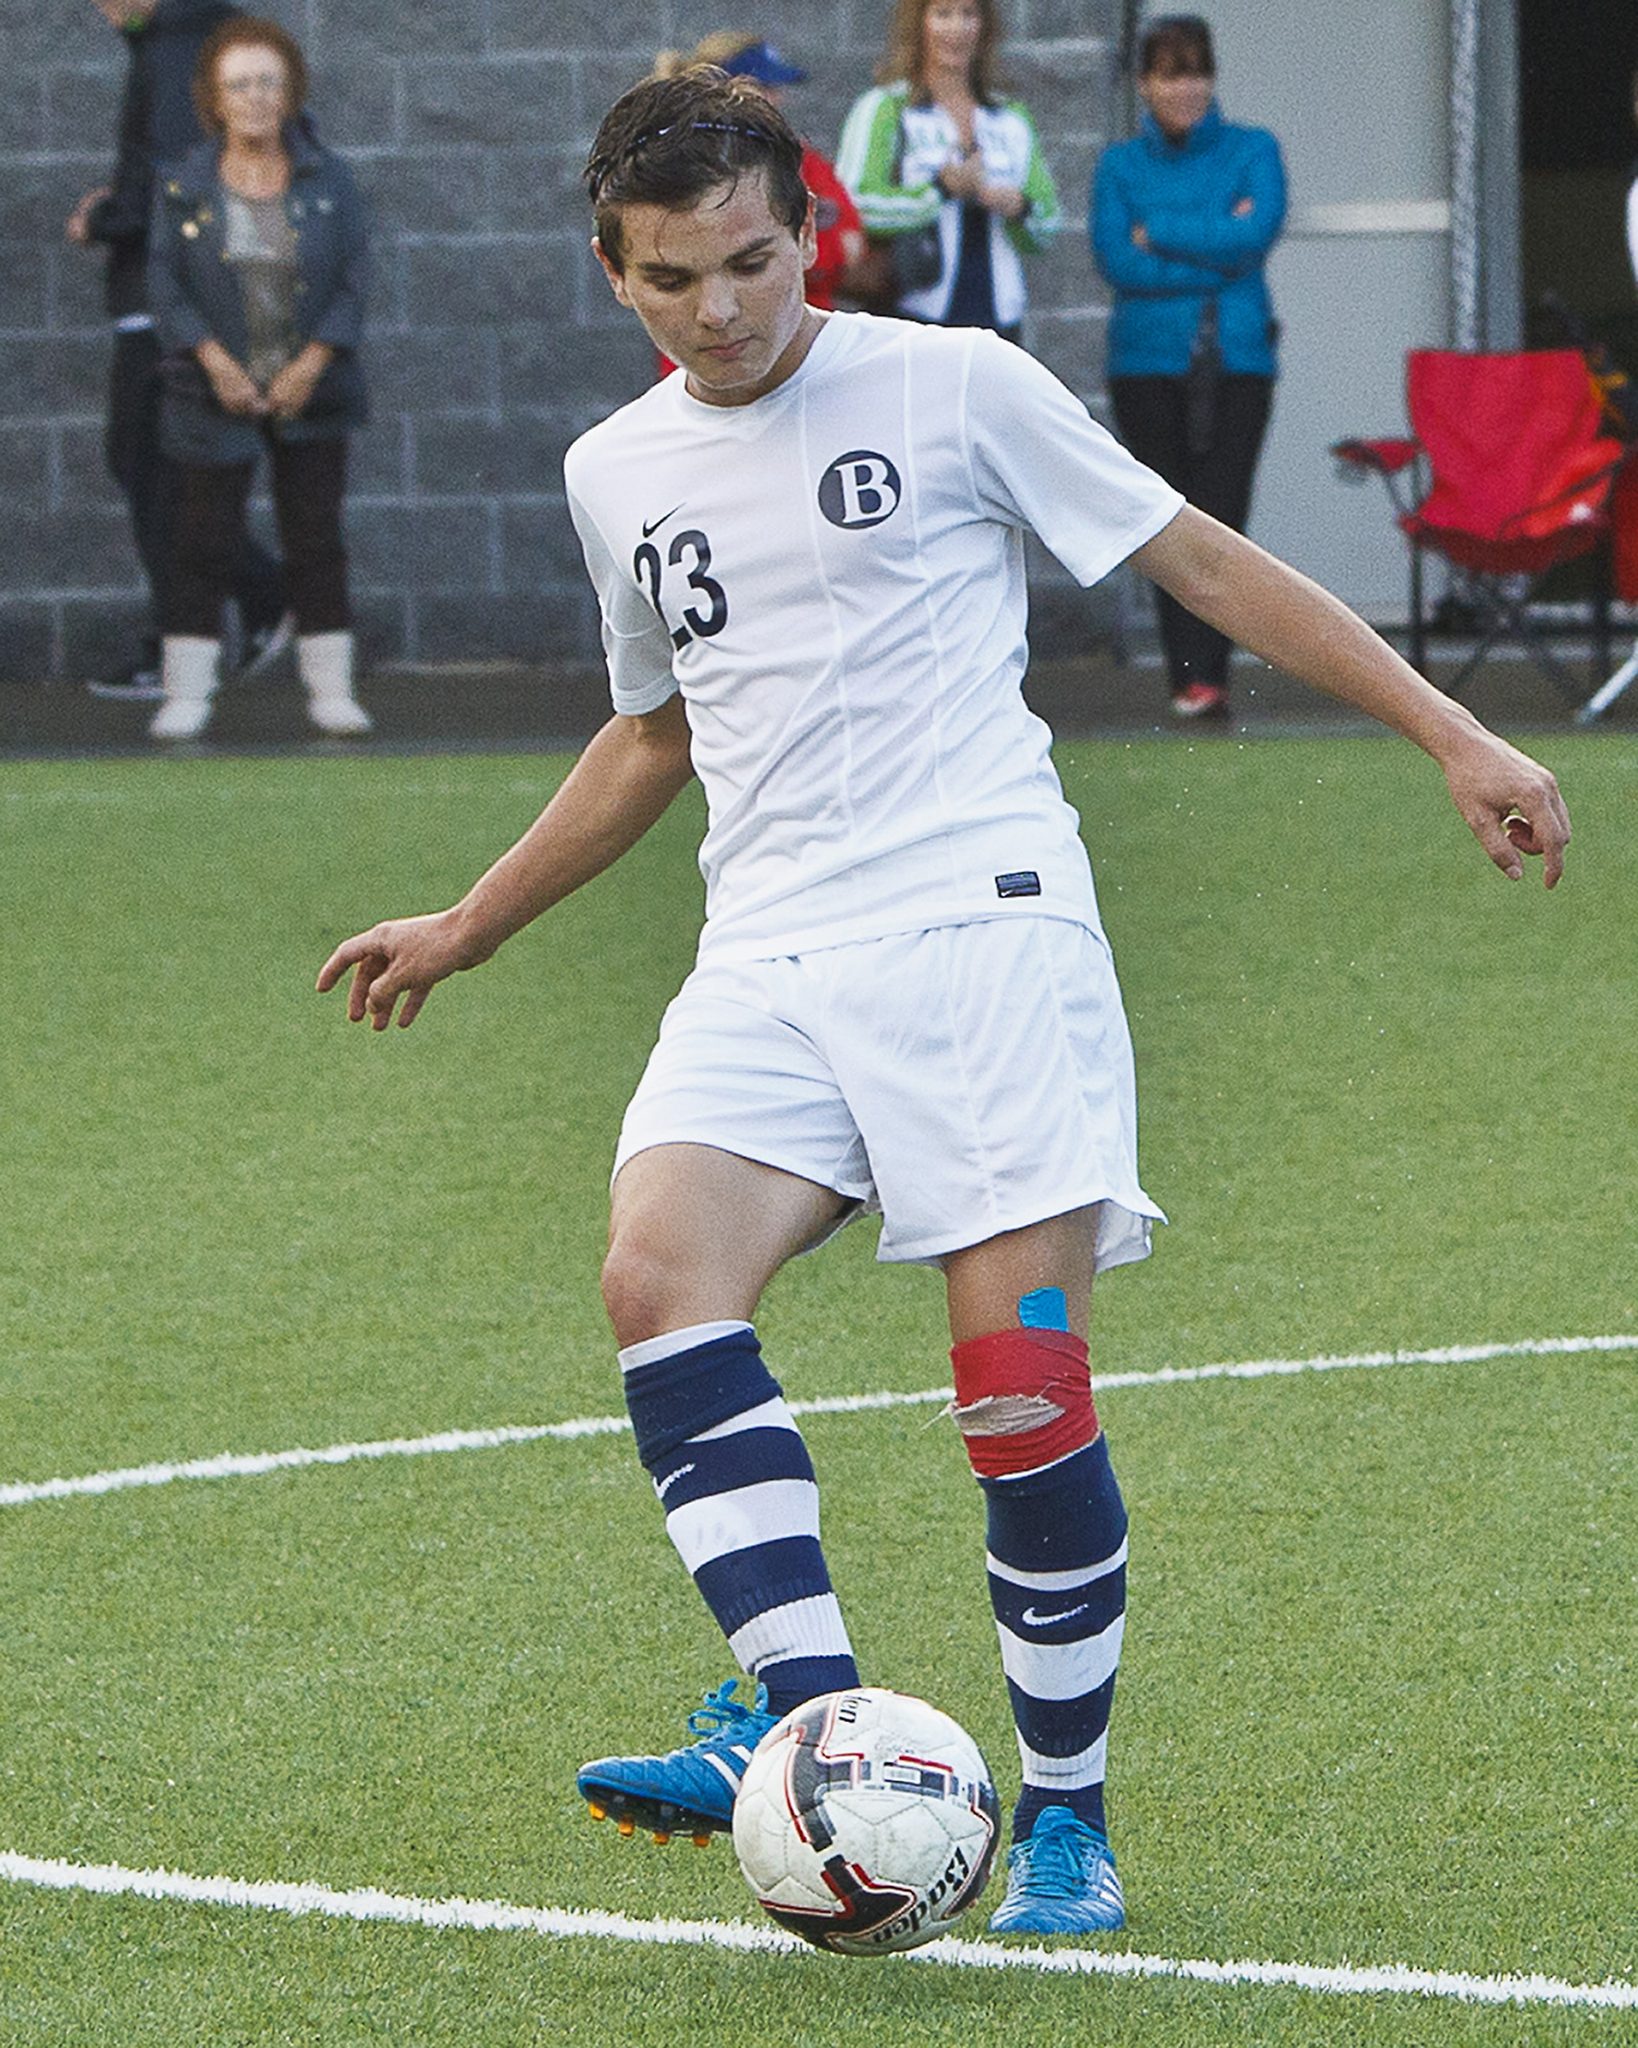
[[325, 661], [189, 670]]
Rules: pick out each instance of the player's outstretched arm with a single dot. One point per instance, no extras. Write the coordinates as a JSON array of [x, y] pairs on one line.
[[620, 786], [1511, 803]]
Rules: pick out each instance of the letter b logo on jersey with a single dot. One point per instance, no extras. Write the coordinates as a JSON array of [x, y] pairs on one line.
[[860, 489]]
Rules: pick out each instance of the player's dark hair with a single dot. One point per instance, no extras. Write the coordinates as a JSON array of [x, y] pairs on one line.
[[1176, 46], [669, 141]]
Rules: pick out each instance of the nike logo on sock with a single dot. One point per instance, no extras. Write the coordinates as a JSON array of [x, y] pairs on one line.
[[670, 1480], [1033, 1620]]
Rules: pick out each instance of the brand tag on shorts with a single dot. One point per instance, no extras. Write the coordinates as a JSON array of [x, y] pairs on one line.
[[1026, 882]]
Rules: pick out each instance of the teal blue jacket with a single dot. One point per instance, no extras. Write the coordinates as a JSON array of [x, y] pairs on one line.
[[1184, 194]]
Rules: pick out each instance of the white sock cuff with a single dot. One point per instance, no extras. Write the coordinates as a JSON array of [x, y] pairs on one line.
[[189, 666], [325, 663], [653, 1349], [802, 1628], [1065, 1773]]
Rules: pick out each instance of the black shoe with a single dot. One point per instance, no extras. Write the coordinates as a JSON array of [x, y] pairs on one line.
[[264, 644], [138, 684]]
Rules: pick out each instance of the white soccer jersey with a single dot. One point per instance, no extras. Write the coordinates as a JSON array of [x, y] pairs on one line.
[[833, 576]]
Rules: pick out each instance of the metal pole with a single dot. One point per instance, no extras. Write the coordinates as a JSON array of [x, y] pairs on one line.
[[1126, 59], [1467, 327]]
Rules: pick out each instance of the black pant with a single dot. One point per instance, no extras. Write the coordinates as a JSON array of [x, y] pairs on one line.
[[1152, 415], [148, 480], [308, 478]]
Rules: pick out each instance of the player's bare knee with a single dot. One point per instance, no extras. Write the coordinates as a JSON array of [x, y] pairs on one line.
[[645, 1293], [1023, 1399], [652, 1287]]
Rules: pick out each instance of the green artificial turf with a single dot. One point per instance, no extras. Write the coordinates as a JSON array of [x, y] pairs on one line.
[[1377, 1700]]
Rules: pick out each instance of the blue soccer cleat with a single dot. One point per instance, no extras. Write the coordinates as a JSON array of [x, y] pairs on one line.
[[1060, 1881], [691, 1791]]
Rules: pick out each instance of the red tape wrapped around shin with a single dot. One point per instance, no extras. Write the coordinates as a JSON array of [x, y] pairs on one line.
[[1023, 1399]]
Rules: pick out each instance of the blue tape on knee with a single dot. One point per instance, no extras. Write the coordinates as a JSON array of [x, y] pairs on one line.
[[1044, 1308]]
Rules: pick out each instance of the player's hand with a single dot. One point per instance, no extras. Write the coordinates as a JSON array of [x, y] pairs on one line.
[[407, 956], [1006, 200], [1511, 803]]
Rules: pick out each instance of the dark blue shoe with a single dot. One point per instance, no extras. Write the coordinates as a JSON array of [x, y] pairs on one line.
[[1061, 1881], [690, 1791]]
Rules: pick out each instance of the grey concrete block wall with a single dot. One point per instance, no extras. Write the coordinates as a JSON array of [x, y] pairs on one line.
[[493, 339]]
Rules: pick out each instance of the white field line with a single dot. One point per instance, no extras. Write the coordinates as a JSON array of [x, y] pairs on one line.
[[249, 1465], [147, 800], [560, 1923]]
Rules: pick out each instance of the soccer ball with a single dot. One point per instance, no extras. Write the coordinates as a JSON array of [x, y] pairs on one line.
[[866, 1821]]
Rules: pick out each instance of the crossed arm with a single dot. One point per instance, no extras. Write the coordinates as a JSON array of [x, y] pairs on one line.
[[1180, 251], [1511, 803], [619, 787]]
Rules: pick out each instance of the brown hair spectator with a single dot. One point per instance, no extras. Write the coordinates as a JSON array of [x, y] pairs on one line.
[[252, 32], [715, 49], [906, 51]]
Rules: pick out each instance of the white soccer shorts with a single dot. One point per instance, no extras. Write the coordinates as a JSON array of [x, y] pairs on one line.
[[965, 1080]]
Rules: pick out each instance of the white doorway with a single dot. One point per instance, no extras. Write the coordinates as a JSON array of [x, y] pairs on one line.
[[1358, 97]]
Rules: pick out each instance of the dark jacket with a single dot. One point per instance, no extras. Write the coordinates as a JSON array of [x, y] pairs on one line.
[[196, 297], [1184, 194], [157, 129]]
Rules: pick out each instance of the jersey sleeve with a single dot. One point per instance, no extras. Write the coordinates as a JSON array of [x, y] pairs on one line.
[[1042, 217], [836, 217], [868, 163], [635, 642], [820, 177], [1039, 460]]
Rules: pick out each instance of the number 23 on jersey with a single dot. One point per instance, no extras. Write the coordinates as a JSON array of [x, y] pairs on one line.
[[706, 611]]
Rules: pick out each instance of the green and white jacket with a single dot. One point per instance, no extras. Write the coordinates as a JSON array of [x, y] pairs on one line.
[[891, 153]]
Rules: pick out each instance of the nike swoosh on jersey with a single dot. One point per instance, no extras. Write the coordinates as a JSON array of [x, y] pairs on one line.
[[652, 527], [1033, 1620]]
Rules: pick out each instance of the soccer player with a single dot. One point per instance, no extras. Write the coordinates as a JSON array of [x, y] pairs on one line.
[[808, 547]]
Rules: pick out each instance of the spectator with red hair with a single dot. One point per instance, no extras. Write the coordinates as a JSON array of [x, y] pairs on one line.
[[158, 125], [258, 273]]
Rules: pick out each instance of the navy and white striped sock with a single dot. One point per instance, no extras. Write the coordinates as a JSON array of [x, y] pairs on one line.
[[741, 1504], [1057, 1569]]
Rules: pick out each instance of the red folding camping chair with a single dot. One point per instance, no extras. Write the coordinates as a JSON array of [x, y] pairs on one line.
[[1619, 398], [1624, 515], [1508, 474]]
